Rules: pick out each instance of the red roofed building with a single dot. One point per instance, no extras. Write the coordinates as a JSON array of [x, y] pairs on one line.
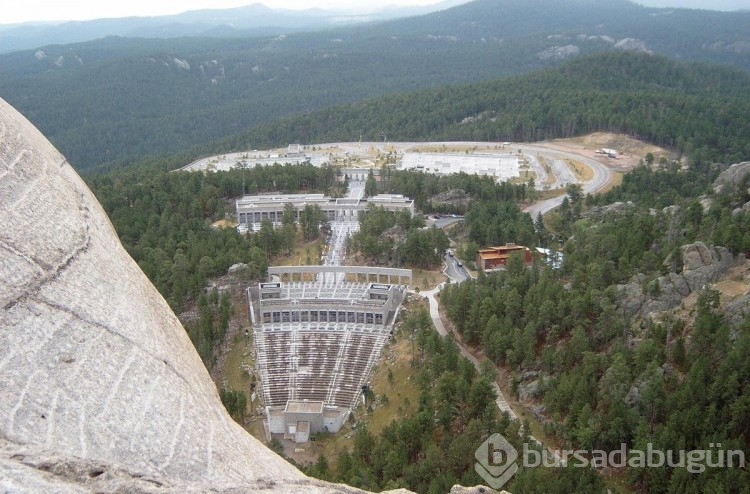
[[497, 257]]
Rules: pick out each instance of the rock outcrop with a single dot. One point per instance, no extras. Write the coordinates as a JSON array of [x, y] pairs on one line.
[[731, 178], [100, 387], [735, 179], [737, 311], [700, 265], [613, 208]]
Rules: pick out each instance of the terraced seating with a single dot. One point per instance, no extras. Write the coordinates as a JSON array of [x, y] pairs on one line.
[[327, 363]]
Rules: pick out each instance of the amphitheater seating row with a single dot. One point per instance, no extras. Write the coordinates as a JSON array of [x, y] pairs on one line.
[[329, 366]]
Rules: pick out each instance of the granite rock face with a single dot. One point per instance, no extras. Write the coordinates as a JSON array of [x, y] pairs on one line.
[[700, 265], [735, 179], [100, 387], [731, 178]]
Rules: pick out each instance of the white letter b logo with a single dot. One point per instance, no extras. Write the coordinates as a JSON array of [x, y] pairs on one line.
[[496, 461]]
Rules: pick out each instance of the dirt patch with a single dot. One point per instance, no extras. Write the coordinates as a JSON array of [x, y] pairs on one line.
[[631, 150], [395, 396], [735, 283], [731, 289], [224, 224], [427, 279], [303, 454]]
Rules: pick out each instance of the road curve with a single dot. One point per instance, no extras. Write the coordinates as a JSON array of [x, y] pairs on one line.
[[602, 177]]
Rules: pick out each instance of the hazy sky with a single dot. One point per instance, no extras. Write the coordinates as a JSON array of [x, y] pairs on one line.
[[47, 10], [54, 10]]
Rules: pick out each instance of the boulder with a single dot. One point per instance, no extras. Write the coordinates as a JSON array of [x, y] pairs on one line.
[[236, 268], [538, 411], [529, 375], [528, 391], [613, 208], [703, 265], [737, 310], [732, 177]]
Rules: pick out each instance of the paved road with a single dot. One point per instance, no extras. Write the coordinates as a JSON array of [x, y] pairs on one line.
[[453, 270], [602, 177]]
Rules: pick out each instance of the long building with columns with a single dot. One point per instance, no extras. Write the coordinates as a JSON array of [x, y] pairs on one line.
[[370, 296], [252, 210]]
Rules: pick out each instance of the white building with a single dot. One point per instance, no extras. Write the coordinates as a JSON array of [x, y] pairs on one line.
[[501, 166], [252, 210]]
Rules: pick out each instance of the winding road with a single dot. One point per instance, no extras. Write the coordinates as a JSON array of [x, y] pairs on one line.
[[602, 176]]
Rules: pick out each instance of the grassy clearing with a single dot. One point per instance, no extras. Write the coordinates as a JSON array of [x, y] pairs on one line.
[[397, 395], [238, 360], [550, 193], [303, 254], [524, 176], [237, 368], [427, 280], [581, 171]]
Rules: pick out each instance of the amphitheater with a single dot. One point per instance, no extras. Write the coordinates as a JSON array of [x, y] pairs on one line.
[[318, 331]]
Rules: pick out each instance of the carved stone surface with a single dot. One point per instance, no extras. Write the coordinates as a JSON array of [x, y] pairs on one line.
[[100, 387]]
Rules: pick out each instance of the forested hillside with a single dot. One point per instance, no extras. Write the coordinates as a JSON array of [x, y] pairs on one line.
[[699, 110], [118, 99], [602, 375]]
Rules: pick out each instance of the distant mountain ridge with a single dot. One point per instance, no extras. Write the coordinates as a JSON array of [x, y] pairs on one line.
[[255, 19], [120, 98]]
